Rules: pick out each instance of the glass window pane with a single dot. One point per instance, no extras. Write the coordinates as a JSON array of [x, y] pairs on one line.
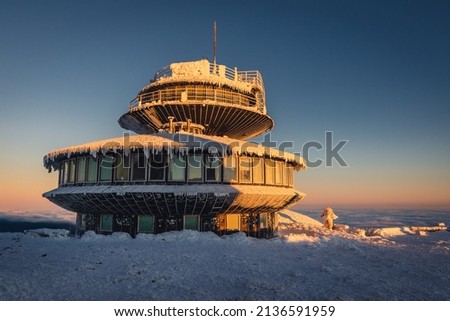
[[72, 171], [258, 170], [66, 172], [270, 164], [230, 169], [210, 93], [177, 166], [61, 173], [233, 222], [191, 222], [279, 173], [290, 175], [287, 175], [106, 222], [145, 224], [157, 167], [106, 165], [195, 168], [122, 166], [92, 169], [81, 170], [213, 169], [83, 222], [138, 166], [263, 220], [245, 169]]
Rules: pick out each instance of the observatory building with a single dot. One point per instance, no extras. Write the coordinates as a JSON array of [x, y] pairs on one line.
[[188, 167]]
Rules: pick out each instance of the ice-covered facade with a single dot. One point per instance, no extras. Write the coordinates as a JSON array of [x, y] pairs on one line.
[[189, 167]]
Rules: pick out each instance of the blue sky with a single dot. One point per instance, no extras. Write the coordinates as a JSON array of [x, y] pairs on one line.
[[375, 73]]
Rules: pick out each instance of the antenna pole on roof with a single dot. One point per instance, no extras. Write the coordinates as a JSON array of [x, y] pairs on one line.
[[214, 43]]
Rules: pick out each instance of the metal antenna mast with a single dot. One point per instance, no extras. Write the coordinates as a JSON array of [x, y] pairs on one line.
[[215, 40]]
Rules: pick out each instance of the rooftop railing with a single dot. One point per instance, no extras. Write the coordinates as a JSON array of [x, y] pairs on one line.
[[248, 76], [199, 94]]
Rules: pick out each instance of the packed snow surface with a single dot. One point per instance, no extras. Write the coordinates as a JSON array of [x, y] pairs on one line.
[[306, 262]]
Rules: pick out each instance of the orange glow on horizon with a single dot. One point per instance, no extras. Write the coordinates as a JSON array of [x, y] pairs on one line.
[[347, 188], [24, 191]]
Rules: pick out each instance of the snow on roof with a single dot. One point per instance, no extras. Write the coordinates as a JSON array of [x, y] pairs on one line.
[[203, 71], [178, 143], [217, 189]]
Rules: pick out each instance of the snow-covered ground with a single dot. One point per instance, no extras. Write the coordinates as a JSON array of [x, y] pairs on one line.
[[306, 262]]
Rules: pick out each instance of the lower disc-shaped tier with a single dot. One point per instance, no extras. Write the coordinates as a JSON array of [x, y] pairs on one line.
[[160, 208]]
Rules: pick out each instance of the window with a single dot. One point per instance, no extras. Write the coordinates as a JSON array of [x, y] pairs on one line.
[[82, 222], [210, 93], [61, 173], [106, 164], [230, 169], [92, 169], [262, 220], [138, 166], [157, 167], [195, 168], [245, 169], [233, 222], [145, 224], [191, 222], [190, 92], [177, 167], [258, 170], [279, 168], [269, 171], [81, 170], [66, 171], [122, 165], [212, 169], [72, 171], [289, 175], [106, 222]]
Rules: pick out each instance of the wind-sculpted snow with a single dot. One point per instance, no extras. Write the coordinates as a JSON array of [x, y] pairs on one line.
[[306, 262]]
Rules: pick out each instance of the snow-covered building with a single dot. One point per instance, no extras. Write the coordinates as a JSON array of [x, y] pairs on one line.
[[189, 167]]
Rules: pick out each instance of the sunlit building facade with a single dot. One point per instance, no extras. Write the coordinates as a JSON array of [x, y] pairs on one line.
[[188, 167]]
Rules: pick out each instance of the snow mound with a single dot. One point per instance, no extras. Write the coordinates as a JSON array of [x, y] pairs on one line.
[[302, 237], [295, 227], [358, 232], [405, 230], [238, 238], [184, 235], [116, 236], [46, 232], [289, 217]]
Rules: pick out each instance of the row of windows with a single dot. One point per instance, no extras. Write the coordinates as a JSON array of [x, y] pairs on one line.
[[178, 168], [146, 223], [198, 93], [190, 222]]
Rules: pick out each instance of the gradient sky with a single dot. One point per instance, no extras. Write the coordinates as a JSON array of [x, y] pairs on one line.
[[375, 73]]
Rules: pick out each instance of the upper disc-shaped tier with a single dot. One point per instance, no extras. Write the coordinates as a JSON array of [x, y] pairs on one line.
[[225, 101]]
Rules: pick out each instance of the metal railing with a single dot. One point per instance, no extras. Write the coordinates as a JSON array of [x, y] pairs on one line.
[[199, 94], [248, 76], [163, 73]]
